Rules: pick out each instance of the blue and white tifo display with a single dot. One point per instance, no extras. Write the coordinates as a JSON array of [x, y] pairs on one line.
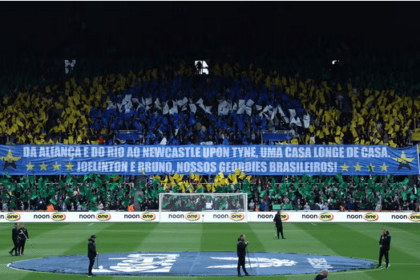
[[194, 264], [208, 160]]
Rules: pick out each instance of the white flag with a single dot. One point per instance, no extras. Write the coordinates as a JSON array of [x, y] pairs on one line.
[[111, 105], [135, 100], [250, 102], [208, 109], [248, 111], [165, 109], [174, 110], [241, 110], [292, 113], [199, 102], [298, 122], [306, 120], [273, 114], [157, 104], [193, 108], [164, 141], [280, 111]]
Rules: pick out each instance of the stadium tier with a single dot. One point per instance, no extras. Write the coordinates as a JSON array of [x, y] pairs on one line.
[[264, 193], [230, 106]]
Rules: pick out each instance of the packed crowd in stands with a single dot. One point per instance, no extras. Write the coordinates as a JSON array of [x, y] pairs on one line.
[[229, 106], [232, 105], [65, 193], [265, 193]]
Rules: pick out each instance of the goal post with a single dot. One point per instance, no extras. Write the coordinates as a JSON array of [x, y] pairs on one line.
[[203, 207]]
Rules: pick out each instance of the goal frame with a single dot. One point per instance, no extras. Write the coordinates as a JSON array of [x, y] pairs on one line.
[[244, 195]]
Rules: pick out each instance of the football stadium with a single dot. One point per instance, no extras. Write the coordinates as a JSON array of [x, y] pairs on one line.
[[201, 140]]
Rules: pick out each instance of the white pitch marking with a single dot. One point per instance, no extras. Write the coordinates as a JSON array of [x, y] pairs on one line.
[[313, 224], [90, 224]]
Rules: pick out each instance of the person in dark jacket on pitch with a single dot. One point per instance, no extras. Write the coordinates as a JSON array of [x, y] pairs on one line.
[[385, 245], [279, 225], [323, 275], [241, 254], [92, 253], [15, 240], [23, 236]]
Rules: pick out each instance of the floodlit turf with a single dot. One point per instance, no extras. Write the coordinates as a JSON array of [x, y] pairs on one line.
[[341, 239]]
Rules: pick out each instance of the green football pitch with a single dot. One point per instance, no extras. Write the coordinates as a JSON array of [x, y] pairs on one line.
[[359, 240]]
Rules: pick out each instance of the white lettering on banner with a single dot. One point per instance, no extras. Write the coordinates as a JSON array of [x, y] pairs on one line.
[[163, 167], [319, 263], [254, 166], [53, 152], [187, 167], [97, 152], [370, 152], [329, 152], [93, 166], [115, 152], [303, 167], [216, 152], [275, 152], [255, 262]]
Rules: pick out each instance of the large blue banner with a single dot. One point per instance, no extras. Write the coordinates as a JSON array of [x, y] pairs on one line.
[[258, 160]]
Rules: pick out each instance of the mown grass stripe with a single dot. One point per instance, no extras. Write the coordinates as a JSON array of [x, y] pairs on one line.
[[37, 234], [223, 237], [337, 238], [409, 228], [168, 237], [297, 240], [111, 237], [404, 244]]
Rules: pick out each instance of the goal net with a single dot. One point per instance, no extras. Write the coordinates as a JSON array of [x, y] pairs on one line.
[[194, 202]]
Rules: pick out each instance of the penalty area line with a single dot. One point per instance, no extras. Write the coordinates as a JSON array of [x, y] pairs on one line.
[[313, 224], [90, 224]]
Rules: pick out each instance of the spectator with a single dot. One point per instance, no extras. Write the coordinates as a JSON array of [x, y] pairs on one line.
[[251, 205], [262, 205]]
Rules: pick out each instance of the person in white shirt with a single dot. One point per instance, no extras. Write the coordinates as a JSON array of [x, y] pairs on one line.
[[209, 205], [251, 205]]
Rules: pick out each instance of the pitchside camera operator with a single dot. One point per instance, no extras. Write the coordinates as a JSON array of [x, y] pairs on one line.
[[23, 236]]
